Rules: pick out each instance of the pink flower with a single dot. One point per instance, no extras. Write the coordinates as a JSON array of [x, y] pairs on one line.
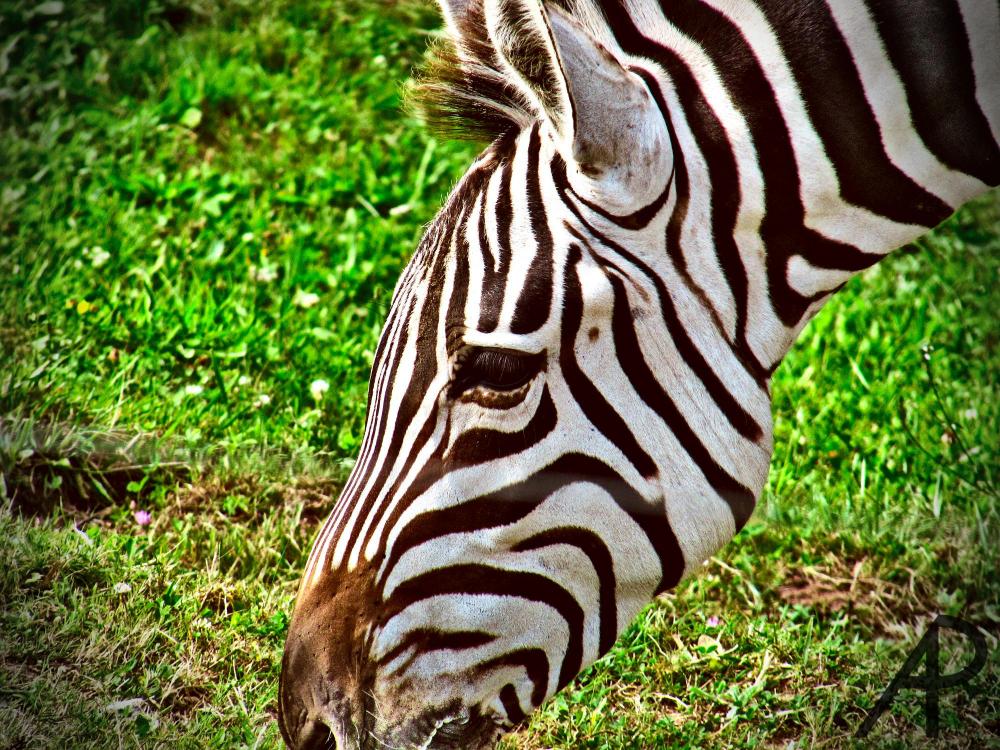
[[712, 622], [142, 517]]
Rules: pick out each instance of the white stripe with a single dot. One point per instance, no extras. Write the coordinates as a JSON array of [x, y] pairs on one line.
[[477, 269], [523, 245], [807, 279]]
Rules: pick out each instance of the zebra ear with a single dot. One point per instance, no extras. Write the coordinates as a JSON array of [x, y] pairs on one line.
[[522, 38], [608, 124]]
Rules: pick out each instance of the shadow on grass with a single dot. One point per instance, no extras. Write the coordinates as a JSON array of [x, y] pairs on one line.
[[85, 472], [44, 466]]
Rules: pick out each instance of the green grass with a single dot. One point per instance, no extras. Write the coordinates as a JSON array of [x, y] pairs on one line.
[[177, 180]]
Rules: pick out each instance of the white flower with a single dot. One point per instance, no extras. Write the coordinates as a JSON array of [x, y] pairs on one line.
[[122, 588], [263, 274], [970, 413], [244, 380], [98, 256], [317, 388], [304, 299], [262, 400], [193, 390]]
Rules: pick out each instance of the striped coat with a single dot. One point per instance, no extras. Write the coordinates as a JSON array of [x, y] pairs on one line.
[[569, 407]]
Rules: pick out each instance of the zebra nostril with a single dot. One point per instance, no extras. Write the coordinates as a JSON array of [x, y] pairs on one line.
[[315, 735]]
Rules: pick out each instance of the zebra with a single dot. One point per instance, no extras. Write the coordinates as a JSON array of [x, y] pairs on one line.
[[569, 406]]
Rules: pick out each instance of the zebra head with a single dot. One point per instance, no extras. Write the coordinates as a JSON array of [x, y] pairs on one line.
[[536, 462]]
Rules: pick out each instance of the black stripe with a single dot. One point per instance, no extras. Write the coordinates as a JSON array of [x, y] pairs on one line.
[[535, 301], [362, 470], [838, 109], [470, 448], [725, 185], [600, 558], [455, 316], [416, 388], [495, 281], [512, 503], [471, 579], [587, 396], [508, 698], [928, 45], [429, 473], [425, 640], [480, 445], [630, 357], [502, 507], [736, 414], [640, 218]]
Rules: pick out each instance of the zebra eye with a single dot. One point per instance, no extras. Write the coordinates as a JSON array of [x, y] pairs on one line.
[[496, 369]]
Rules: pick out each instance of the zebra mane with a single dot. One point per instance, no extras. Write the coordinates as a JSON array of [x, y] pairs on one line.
[[461, 90]]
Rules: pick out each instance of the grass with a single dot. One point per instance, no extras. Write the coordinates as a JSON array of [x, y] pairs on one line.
[[204, 206]]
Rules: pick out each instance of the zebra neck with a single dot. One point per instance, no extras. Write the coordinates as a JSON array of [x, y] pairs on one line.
[[810, 140]]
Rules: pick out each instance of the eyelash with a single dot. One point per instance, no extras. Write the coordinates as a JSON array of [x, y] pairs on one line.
[[500, 370]]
